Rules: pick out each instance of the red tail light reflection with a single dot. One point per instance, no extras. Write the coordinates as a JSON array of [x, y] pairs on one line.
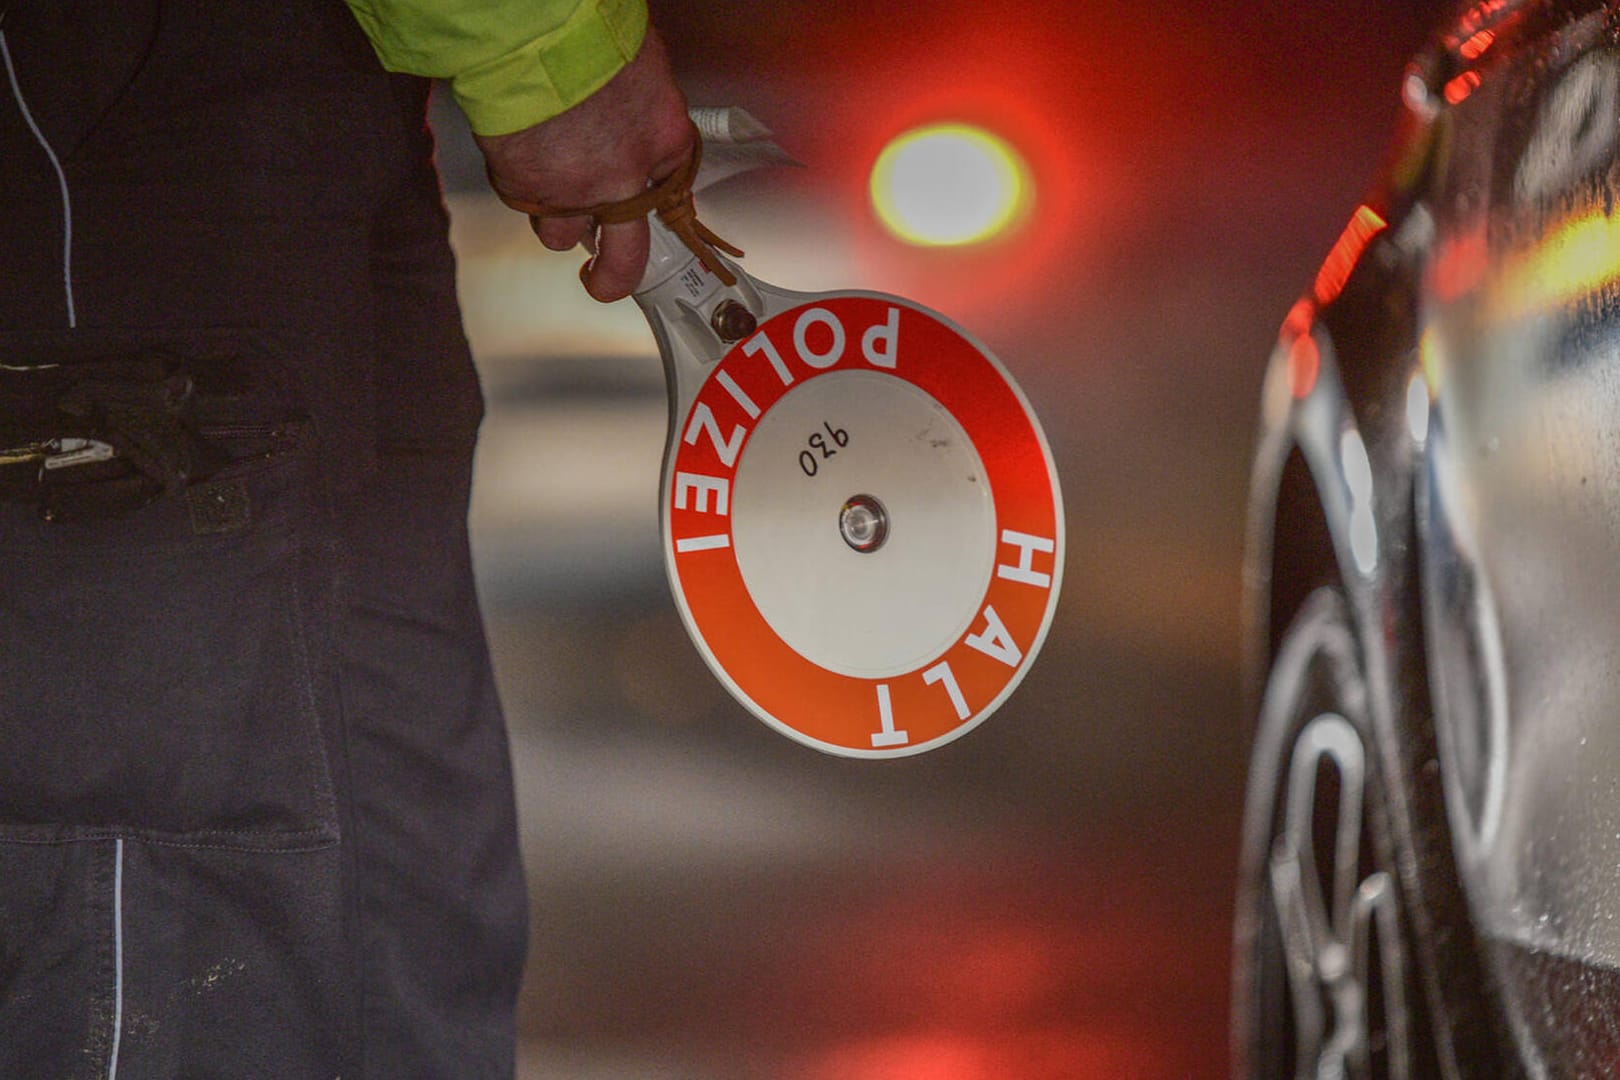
[[1365, 224]]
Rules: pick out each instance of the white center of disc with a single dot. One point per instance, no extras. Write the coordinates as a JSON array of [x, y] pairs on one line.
[[852, 435]]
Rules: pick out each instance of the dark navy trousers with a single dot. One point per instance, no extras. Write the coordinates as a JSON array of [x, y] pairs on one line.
[[256, 813]]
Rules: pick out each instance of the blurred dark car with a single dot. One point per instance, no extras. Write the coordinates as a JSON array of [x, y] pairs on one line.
[[1431, 870]]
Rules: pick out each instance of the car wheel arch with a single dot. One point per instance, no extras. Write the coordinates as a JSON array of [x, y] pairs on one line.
[[1301, 516]]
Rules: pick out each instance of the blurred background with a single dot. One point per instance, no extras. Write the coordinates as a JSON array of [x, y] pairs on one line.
[[1049, 896]]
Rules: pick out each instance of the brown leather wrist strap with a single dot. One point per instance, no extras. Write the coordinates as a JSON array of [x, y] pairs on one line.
[[670, 199]]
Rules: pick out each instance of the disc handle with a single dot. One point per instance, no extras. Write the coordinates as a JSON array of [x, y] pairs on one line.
[[696, 318]]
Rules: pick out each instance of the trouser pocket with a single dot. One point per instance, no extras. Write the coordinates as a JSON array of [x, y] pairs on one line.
[[155, 671], [170, 877]]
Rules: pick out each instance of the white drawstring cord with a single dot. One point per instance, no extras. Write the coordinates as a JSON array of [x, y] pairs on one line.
[[118, 959], [61, 179]]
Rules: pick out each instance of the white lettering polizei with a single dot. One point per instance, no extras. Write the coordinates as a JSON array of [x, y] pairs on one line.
[[702, 543], [759, 343], [703, 485], [703, 421], [1025, 571], [801, 330], [884, 334], [738, 394]]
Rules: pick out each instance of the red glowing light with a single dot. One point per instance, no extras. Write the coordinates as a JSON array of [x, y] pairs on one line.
[[1001, 76], [1475, 47], [1300, 317], [1365, 224], [1459, 265], [1027, 1054], [1459, 88], [1007, 263], [1476, 18], [1304, 358], [1304, 365]]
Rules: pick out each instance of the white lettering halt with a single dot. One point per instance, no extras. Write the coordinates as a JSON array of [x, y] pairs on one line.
[[994, 640], [1027, 546], [941, 673], [888, 736]]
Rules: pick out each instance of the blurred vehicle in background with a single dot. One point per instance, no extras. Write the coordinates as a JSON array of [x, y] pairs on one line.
[[1430, 879]]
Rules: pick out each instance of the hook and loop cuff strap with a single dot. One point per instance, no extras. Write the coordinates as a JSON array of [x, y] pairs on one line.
[[670, 199]]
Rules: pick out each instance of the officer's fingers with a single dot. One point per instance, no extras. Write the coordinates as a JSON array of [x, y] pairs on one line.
[[561, 233], [621, 259]]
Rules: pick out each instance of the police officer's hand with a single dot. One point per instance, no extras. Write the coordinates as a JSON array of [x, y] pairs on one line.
[[632, 131]]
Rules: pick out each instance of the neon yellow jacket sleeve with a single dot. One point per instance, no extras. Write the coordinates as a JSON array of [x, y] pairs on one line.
[[510, 63]]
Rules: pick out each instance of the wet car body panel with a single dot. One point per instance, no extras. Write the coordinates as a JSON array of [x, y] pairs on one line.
[[1441, 440]]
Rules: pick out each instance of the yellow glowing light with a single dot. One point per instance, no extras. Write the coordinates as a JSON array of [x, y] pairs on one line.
[[948, 184], [1579, 257]]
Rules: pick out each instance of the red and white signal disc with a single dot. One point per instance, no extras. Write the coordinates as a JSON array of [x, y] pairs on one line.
[[862, 526]]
